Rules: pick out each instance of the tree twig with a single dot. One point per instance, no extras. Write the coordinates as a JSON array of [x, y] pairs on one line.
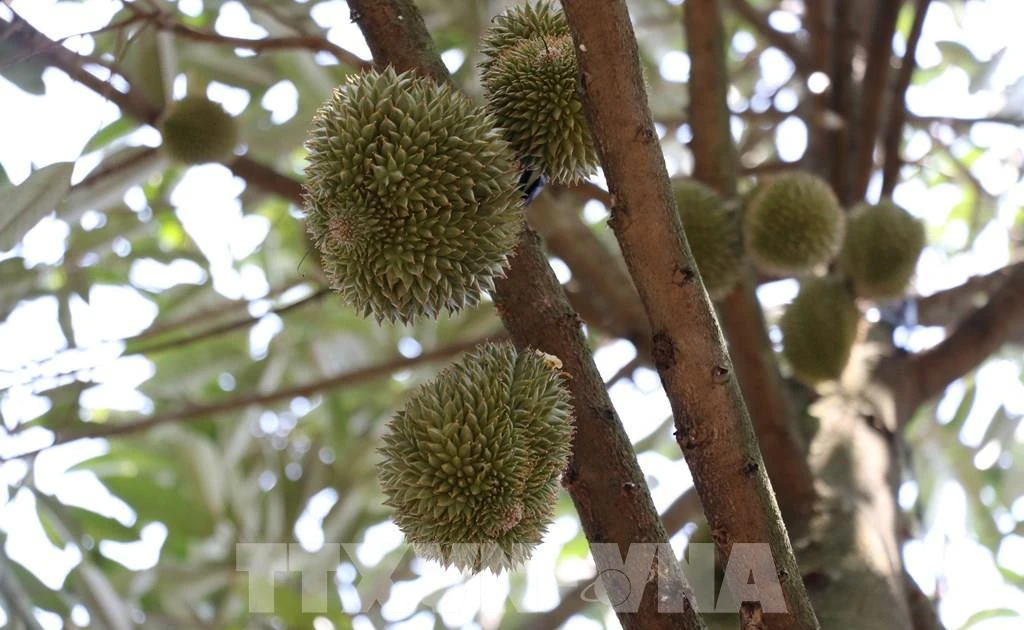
[[315, 43], [713, 428], [872, 94], [784, 42], [893, 139], [199, 412]]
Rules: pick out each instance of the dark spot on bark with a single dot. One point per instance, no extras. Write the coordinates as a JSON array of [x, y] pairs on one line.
[[645, 133], [749, 468], [783, 575], [720, 373], [629, 487], [721, 538], [606, 413], [663, 351], [682, 276]]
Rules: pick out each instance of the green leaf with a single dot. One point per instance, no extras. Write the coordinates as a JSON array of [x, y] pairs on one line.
[[117, 129], [985, 615], [181, 513], [22, 70], [26, 204]]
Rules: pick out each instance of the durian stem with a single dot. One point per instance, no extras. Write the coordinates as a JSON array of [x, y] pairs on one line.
[[712, 424], [604, 479]]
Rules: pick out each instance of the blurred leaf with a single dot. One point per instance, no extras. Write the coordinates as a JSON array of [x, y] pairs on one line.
[[985, 615], [26, 204]]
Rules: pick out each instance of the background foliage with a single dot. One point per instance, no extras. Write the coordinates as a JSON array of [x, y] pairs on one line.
[[176, 315]]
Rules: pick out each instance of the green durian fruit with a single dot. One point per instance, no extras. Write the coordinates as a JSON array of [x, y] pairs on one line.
[[793, 224], [713, 235], [197, 130], [410, 195], [819, 328], [472, 463], [880, 252], [531, 90], [529, 77], [518, 23]]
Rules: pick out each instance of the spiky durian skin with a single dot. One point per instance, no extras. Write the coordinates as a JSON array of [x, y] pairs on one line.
[[793, 224], [518, 23], [197, 130], [819, 328], [881, 248], [410, 196], [472, 462], [713, 235], [531, 90]]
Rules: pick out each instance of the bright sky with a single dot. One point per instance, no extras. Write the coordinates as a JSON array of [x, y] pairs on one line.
[[37, 131]]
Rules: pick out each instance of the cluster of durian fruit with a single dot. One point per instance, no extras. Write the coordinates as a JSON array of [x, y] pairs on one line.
[[792, 225], [414, 197]]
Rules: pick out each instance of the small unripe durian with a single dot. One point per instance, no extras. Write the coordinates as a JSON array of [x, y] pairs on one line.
[[197, 130], [518, 23], [880, 252], [531, 90], [793, 224], [529, 74], [713, 235], [410, 195], [472, 463], [819, 328]]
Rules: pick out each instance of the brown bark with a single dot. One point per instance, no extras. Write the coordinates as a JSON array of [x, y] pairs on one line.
[[603, 477], [712, 425], [920, 377], [756, 369]]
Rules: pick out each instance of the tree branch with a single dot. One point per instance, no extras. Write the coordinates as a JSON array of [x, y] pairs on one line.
[[200, 412], [898, 105], [603, 478], [314, 43], [783, 41], [922, 610], [974, 340], [712, 425], [872, 94], [134, 104], [946, 308], [605, 283], [683, 510], [756, 368]]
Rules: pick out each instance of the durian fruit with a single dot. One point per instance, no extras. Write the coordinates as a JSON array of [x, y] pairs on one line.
[[880, 252], [472, 463], [793, 224], [197, 130], [521, 22], [530, 83], [410, 195], [819, 328], [713, 235]]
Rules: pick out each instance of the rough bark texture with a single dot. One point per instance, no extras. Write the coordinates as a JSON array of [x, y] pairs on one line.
[[603, 477], [756, 368], [712, 425]]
